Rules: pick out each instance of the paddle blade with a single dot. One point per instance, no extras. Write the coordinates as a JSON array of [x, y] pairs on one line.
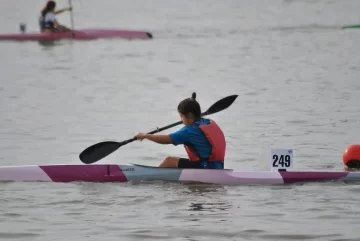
[[221, 104], [98, 151]]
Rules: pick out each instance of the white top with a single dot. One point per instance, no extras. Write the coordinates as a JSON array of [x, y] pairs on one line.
[[49, 17], [46, 20]]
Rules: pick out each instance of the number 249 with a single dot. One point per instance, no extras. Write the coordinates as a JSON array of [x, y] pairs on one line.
[[283, 160]]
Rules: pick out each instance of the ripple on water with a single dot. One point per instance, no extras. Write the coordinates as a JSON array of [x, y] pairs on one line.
[[17, 235]]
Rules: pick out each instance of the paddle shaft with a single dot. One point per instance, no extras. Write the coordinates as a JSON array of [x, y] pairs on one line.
[[158, 130], [72, 18]]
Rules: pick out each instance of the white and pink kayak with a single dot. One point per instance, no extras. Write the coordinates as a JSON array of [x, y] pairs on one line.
[[80, 34], [134, 172]]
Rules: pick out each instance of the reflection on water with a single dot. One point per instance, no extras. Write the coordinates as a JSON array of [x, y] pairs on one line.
[[201, 188], [92, 188], [210, 206], [206, 194], [47, 43]]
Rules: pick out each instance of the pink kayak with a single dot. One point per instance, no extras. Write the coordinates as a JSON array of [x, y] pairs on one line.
[[81, 34], [135, 172]]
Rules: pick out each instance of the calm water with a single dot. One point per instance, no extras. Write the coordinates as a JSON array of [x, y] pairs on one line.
[[297, 76]]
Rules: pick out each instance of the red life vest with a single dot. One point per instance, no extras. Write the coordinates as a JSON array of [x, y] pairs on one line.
[[216, 138]]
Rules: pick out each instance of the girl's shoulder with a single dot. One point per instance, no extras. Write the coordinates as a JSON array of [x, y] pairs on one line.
[[203, 121]]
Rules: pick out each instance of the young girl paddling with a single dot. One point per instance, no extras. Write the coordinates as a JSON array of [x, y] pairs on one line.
[[47, 20], [202, 138]]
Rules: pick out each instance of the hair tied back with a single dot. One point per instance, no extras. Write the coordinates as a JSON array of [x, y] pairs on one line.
[[193, 96]]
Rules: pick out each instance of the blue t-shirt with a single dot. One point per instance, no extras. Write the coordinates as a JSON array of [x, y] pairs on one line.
[[193, 136]]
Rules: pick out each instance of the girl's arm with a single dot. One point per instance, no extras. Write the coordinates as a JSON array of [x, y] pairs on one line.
[[160, 139], [56, 23], [62, 10]]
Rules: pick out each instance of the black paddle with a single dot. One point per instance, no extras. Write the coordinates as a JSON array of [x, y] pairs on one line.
[[100, 150]]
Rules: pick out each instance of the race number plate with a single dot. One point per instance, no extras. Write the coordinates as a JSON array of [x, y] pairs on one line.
[[281, 159]]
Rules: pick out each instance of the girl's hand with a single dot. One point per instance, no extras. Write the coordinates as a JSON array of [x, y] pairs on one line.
[[141, 136]]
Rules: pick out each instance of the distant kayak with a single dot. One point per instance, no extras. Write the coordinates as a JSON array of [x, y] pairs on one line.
[[81, 34], [351, 26]]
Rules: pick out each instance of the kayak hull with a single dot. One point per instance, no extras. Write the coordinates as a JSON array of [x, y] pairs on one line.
[[351, 26], [134, 172], [81, 34]]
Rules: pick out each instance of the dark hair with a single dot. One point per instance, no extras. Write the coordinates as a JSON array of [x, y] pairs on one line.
[[50, 6], [190, 105]]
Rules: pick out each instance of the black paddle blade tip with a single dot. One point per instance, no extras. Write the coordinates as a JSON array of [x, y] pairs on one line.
[[98, 151], [230, 99], [222, 104]]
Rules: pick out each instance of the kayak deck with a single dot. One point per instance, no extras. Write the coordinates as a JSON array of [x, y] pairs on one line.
[[80, 34], [352, 26], [134, 172]]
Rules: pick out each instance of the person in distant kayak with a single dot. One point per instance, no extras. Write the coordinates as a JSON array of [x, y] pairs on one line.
[[47, 20], [202, 138]]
